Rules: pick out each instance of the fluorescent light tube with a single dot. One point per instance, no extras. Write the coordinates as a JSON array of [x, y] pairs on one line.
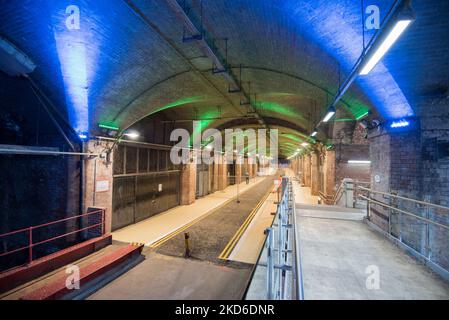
[[359, 161], [329, 115], [132, 135], [394, 34]]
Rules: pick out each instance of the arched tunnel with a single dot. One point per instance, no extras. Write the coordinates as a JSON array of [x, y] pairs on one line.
[[151, 139]]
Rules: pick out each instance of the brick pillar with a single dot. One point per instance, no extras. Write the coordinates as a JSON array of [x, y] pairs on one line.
[[314, 180], [329, 174], [256, 167], [188, 183], [238, 171], [222, 173], [216, 175], [307, 172], [99, 180]]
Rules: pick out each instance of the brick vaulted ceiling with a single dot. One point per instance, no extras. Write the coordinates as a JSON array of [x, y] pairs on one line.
[[128, 60]]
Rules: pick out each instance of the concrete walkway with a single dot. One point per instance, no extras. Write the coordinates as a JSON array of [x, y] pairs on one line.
[[165, 274], [165, 277], [152, 229], [248, 248], [341, 256]]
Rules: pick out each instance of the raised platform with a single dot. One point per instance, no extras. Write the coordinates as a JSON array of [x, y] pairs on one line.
[[57, 288], [18, 276]]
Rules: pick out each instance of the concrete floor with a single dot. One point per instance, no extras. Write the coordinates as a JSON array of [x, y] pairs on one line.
[[339, 250], [165, 277]]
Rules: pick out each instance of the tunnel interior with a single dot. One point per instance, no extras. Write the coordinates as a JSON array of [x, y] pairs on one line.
[[92, 91]]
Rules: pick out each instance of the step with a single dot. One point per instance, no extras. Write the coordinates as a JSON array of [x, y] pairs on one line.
[[18, 276], [56, 288]]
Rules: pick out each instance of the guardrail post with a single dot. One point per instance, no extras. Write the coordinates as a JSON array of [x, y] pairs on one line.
[[428, 251], [30, 249], [368, 207], [270, 264]]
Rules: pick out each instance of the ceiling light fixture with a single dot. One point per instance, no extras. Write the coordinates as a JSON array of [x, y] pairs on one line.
[[330, 113], [400, 20], [132, 135], [359, 161]]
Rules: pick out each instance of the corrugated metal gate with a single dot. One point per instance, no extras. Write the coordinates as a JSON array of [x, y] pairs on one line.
[[145, 184], [203, 183], [231, 174]]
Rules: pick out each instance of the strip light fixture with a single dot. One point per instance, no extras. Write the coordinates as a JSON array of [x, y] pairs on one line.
[[330, 113], [359, 161], [401, 19]]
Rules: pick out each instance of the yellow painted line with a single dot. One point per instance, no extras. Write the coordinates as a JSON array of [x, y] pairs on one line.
[[188, 225], [224, 255], [183, 228]]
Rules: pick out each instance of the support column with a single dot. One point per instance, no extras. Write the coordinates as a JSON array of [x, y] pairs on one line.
[[188, 183], [99, 180], [251, 168], [238, 171], [222, 173], [307, 172], [314, 180], [329, 175], [216, 174]]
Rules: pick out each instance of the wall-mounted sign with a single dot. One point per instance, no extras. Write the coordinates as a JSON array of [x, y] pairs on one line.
[[377, 178], [102, 186]]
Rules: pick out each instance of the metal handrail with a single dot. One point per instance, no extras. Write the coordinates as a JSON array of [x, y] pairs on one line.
[[299, 283], [338, 193], [405, 212], [404, 198], [29, 230], [342, 187], [422, 240], [281, 247]]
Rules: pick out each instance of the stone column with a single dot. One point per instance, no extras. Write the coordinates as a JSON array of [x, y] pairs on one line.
[[222, 173], [307, 172], [216, 173], [238, 171], [188, 182], [99, 180], [314, 180], [329, 174]]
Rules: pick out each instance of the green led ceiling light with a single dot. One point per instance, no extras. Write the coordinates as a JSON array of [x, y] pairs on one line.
[[108, 126]]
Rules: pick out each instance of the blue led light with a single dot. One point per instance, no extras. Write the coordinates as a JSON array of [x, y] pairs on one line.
[[399, 124], [83, 135], [322, 22], [77, 53]]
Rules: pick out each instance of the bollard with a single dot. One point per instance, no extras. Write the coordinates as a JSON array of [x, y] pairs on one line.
[[186, 241]]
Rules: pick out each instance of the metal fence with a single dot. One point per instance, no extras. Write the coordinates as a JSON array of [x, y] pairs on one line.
[[279, 263], [21, 247], [420, 227]]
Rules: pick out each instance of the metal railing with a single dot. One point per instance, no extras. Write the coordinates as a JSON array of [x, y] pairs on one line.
[[280, 258], [420, 227], [18, 247], [349, 188]]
